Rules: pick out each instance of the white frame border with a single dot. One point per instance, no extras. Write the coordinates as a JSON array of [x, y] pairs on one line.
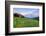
[[26, 28]]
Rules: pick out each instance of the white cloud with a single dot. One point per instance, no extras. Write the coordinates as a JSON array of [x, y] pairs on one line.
[[28, 14]]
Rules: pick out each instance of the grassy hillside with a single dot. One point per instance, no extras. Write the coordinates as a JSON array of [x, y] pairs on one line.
[[25, 22]]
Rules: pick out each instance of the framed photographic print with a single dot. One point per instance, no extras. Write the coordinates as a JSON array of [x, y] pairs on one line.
[[24, 17]]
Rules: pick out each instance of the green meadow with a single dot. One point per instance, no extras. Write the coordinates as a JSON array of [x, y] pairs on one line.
[[19, 22]]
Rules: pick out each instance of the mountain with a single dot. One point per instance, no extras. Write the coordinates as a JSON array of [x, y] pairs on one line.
[[31, 15], [26, 15], [18, 15]]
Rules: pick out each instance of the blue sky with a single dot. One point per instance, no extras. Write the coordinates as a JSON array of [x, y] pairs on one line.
[[27, 12]]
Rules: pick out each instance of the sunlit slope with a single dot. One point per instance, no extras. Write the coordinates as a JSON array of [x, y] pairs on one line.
[[25, 22]]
